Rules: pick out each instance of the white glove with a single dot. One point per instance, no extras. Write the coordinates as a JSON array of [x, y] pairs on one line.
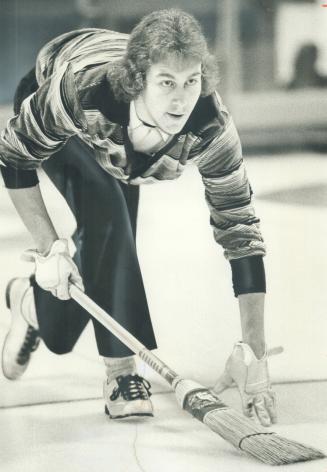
[[252, 380], [55, 271]]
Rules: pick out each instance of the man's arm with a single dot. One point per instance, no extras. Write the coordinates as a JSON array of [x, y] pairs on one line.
[[46, 120], [31, 208], [54, 268], [236, 229], [252, 321]]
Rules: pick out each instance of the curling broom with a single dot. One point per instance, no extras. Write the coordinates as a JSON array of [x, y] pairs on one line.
[[205, 405]]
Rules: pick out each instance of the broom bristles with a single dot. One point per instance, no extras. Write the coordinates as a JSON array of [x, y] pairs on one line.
[[266, 446], [240, 431], [277, 450]]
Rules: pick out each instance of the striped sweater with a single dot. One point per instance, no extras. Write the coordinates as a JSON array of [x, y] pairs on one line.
[[75, 98]]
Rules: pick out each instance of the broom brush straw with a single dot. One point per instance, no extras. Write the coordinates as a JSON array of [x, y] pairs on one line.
[[205, 405]]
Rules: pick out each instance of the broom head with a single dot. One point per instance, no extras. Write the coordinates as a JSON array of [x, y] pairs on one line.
[[238, 430]]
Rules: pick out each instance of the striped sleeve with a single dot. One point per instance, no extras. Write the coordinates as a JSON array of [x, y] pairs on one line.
[[228, 194], [47, 119]]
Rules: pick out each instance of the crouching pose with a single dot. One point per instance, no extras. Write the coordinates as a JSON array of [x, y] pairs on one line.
[[113, 111]]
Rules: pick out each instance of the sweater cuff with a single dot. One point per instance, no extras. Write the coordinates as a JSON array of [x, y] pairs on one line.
[[18, 178], [248, 274]]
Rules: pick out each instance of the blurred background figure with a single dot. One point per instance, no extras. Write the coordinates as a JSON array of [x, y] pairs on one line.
[[252, 39], [306, 73], [92, 13]]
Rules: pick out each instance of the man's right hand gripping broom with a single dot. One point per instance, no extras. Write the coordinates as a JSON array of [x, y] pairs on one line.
[[251, 377], [56, 270]]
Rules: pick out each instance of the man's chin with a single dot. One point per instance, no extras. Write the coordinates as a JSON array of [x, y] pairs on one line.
[[172, 129]]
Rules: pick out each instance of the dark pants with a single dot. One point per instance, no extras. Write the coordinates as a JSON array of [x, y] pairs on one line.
[[105, 211]]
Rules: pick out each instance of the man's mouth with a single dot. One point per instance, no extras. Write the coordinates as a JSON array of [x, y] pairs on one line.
[[175, 116]]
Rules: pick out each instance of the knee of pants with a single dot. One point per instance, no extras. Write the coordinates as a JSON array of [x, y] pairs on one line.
[[61, 333], [59, 346], [61, 337]]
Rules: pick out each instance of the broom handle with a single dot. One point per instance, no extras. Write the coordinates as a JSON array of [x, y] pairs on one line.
[[128, 339], [122, 334]]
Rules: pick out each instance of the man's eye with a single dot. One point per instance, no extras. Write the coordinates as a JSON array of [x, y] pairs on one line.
[[167, 83], [192, 82]]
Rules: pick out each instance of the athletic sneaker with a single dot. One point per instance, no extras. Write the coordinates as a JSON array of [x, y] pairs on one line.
[[22, 338], [127, 395]]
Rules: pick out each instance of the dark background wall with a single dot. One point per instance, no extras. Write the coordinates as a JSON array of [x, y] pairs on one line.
[[25, 25], [241, 33]]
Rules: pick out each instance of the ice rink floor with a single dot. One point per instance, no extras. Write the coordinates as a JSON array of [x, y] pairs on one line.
[[52, 419]]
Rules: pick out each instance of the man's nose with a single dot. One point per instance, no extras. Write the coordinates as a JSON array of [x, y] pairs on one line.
[[179, 100]]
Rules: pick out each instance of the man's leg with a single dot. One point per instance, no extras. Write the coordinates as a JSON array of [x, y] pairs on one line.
[[106, 212], [122, 381], [107, 260], [106, 252]]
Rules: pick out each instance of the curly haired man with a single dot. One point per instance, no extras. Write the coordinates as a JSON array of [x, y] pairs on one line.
[[114, 111]]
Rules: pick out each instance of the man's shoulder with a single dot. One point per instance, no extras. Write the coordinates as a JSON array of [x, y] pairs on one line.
[[83, 48], [208, 118], [95, 93]]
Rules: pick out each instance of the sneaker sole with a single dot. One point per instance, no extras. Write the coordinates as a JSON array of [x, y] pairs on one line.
[[116, 417], [7, 297], [7, 294], [8, 305]]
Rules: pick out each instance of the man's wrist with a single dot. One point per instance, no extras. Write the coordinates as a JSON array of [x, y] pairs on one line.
[[44, 246]]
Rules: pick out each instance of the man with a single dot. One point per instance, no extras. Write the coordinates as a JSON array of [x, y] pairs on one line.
[[116, 111]]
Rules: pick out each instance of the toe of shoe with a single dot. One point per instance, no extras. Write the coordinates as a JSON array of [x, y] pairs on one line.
[[11, 370], [131, 408]]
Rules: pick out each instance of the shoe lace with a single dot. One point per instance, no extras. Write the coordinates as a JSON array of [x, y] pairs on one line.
[[131, 387], [30, 344]]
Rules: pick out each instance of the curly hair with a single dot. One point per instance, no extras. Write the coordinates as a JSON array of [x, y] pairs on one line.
[[159, 36]]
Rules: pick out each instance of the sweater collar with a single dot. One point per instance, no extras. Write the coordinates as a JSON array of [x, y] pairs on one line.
[[135, 122]]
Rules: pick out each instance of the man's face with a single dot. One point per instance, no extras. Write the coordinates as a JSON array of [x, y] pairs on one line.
[[171, 92]]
